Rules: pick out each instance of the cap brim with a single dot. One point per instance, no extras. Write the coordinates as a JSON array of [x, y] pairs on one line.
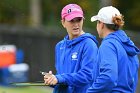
[[94, 18], [72, 16]]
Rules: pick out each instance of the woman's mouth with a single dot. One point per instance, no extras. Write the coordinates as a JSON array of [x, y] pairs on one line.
[[75, 28]]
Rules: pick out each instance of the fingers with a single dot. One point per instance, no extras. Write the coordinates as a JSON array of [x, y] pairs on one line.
[[48, 75], [50, 72], [50, 79]]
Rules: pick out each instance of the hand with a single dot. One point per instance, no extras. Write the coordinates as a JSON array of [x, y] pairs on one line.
[[50, 79]]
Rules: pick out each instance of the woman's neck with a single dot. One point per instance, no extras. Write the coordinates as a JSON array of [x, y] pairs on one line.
[[72, 37], [107, 32]]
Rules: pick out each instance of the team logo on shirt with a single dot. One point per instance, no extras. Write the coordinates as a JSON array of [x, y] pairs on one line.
[[74, 56]]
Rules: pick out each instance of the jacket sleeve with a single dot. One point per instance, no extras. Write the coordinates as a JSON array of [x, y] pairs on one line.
[[84, 75], [108, 70]]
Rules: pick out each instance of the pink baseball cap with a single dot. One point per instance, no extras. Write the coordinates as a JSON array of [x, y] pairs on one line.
[[71, 11]]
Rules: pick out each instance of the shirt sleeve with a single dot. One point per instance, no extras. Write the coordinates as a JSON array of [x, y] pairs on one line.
[[108, 70], [84, 75]]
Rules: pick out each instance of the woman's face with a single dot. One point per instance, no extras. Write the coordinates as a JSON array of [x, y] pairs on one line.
[[73, 27]]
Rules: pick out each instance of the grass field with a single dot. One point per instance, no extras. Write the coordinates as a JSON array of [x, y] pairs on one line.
[[25, 89]]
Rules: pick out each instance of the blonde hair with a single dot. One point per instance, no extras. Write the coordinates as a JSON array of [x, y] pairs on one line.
[[118, 20]]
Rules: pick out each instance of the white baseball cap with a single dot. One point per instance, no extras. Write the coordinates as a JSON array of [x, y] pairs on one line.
[[105, 14]]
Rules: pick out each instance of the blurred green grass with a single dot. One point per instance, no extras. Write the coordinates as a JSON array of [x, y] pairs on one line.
[[25, 89]]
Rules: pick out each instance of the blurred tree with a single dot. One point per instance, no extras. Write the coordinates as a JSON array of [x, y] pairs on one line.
[[131, 11], [52, 10], [105, 3], [35, 13], [14, 11], [48, 12]]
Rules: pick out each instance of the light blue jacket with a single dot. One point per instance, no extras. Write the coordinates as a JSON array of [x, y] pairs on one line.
[[74, 63], [117, 65]]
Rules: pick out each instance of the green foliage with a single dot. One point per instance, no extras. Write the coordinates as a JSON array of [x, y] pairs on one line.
[[52, 10], [13, 11], [25, 90], [18, 11], [131, 11]]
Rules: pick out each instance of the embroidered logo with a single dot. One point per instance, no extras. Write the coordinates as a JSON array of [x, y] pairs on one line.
[[73, 8], [74, 56], [69, 10]]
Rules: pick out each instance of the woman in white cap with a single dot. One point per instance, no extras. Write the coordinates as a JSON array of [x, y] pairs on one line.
[[75, 54], [117, 64]]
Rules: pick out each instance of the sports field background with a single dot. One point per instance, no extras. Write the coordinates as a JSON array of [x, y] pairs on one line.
[[37, 37], [32, 89]]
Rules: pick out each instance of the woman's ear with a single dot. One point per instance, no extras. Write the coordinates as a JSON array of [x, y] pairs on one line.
[[63, 23], [102, 25]]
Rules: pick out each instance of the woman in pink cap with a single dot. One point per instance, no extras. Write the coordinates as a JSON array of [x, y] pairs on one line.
[[75, 54]]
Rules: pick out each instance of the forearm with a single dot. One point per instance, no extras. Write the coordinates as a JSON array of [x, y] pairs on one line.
[[80, 78]]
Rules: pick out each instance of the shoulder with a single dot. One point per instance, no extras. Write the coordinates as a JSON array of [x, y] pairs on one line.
[[110, 40], [89, 41], [60, 43], [89, 45], [110, 43]]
